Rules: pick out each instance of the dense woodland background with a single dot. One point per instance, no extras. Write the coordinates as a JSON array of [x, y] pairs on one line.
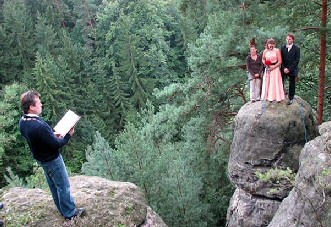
[[157, 82]]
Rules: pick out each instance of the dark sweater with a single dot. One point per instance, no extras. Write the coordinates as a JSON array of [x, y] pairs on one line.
[[254, 66], [44, 145]]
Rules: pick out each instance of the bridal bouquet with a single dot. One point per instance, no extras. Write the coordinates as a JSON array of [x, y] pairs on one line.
[[268, 64]]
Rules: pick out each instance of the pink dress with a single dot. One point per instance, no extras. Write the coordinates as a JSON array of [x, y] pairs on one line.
[[272, 86]]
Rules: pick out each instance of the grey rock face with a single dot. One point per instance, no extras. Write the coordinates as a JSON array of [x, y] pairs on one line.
[[309, 202], [266, 140], [250, 210], [108, 203]]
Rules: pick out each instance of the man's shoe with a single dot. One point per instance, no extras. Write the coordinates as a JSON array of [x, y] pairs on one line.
[[2, 223], [290, 102], [79, 212]]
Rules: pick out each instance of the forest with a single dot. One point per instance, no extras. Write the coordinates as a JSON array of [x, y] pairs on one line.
[[157, 83]]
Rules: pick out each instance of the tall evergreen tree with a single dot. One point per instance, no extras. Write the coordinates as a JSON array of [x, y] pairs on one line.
[[14, 152], [45, 81], [139, 45], [17, 41], [86, 23], [188, 139]]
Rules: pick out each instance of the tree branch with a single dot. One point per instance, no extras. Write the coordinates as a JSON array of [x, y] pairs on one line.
[[311, 28], [317, 3]]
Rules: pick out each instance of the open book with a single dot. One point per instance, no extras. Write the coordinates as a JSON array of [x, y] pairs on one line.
[[68, 121]]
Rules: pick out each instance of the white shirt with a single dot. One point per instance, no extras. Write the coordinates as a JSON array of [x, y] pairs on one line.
[[31, 115], [289, 47]]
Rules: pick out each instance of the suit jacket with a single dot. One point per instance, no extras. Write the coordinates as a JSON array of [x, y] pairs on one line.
[[290, 59]]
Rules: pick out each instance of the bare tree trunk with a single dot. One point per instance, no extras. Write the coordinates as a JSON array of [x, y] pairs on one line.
[[321, 90]]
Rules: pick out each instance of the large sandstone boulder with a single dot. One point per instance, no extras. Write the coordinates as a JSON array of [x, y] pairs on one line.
[[249, 210], [309, 202], [108, 203], [267, 142]]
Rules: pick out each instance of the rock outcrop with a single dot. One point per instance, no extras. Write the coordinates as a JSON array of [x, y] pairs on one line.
[[108, 203], [309, 202], [265, 157]]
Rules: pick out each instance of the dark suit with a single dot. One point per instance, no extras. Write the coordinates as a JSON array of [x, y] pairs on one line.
[[291, 61]]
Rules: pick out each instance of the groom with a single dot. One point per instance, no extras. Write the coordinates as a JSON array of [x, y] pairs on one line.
[[291, 58]]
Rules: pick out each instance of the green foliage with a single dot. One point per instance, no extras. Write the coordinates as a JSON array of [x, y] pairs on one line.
[[13, 149], [98, 158], [13, 180], [138, 48], [276, 175], [160, 172], [105, 59], [216, 59], [20, 219], [26, 218], [37, 179], [326, 172], [45, 82], [16, 36], [166, 155]]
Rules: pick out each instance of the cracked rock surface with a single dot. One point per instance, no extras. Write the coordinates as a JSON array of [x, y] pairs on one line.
[[267, 141]]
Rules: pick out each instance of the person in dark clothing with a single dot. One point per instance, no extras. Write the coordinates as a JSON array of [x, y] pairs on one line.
[[254, 67], [1, 221], [45, 147], [290, 66]]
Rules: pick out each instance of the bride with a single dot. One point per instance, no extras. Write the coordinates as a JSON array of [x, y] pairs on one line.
[[272, 85]]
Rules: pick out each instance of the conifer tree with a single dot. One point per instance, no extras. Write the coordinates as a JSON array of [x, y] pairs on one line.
[[45, 36], [14, 152], [45, 81], [98, 158], [181, 140], [86, 23], [17, 39], [137, 39]]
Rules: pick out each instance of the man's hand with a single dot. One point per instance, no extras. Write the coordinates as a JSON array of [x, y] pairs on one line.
[[286, 70], [72, 131], [58, 135]]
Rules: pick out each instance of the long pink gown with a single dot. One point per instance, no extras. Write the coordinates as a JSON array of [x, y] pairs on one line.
[[272, 86]]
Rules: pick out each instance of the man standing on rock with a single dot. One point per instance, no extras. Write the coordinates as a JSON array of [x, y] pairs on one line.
[[45, 147], [1, 222], [290, 65]]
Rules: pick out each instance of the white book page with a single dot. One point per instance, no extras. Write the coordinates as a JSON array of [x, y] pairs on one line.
[[68, 121]]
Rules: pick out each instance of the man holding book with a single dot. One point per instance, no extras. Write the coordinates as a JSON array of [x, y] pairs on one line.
[[45, 147], [1, 221]]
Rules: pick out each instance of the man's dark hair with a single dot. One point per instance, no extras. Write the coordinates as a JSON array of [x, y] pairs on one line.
[[27, 99], [291, 35]]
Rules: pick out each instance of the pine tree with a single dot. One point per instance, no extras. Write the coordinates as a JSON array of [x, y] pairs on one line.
[[86, 14], [17, 40], [139, 46], [98, 158], [45, 81], [14, 152]]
